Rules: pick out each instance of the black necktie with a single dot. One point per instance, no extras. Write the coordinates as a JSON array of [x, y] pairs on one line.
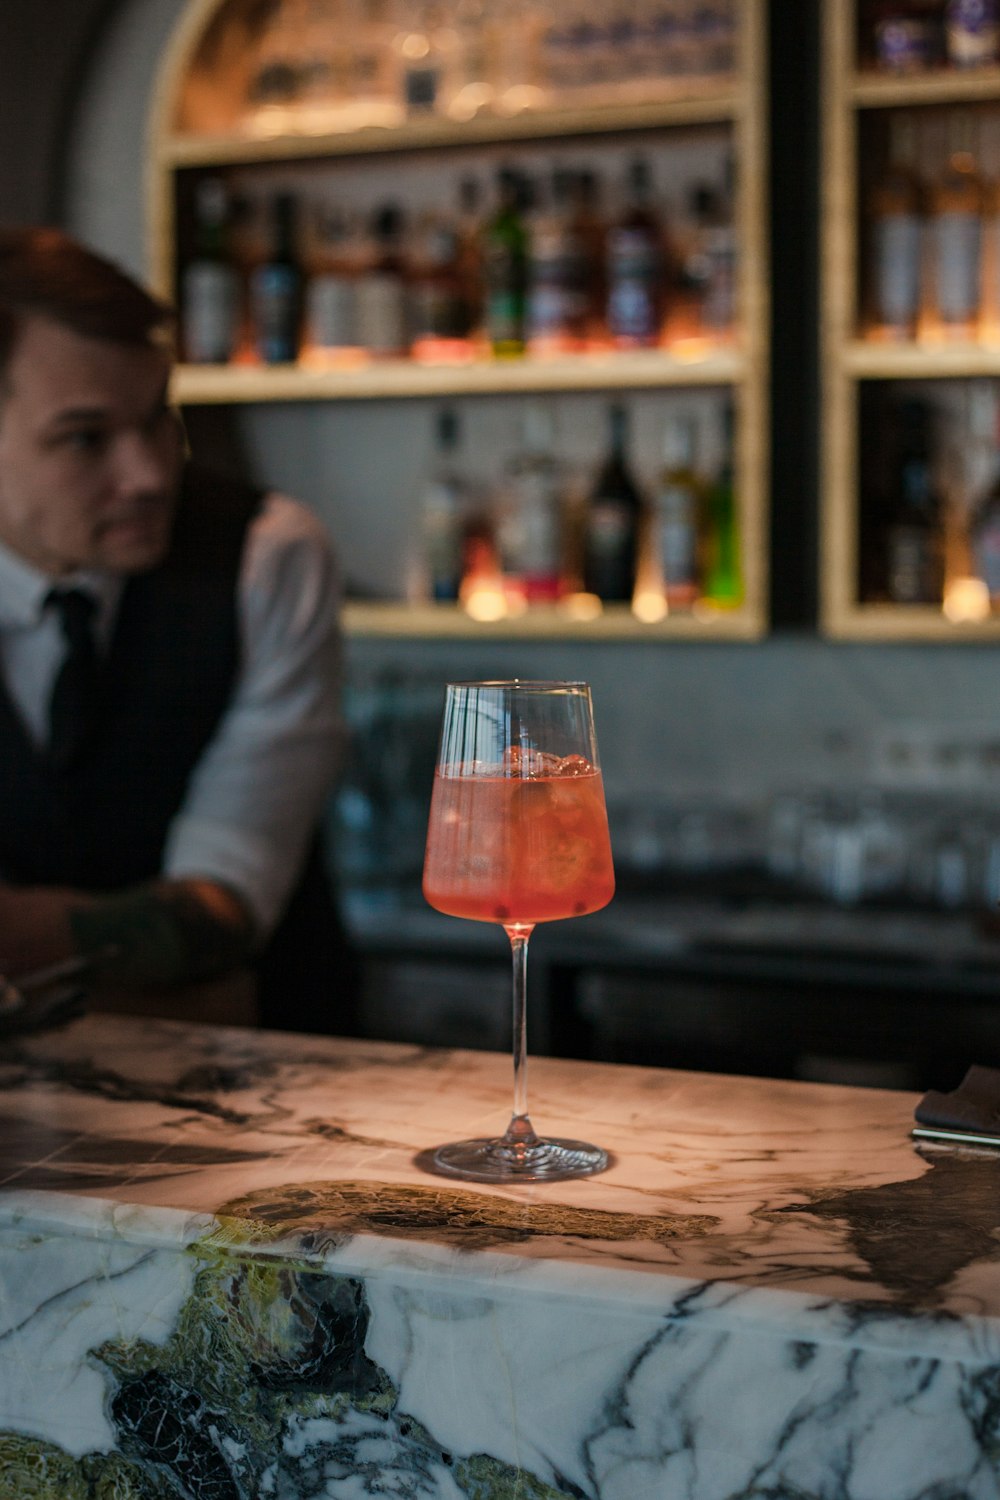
[[74, 693]]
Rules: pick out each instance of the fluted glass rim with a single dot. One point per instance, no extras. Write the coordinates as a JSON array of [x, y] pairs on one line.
[[525, 684]]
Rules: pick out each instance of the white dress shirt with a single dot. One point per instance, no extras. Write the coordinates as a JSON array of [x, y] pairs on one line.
[[259, 788]]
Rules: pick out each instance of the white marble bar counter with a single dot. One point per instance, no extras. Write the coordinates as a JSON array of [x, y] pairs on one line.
[[225, 1276]]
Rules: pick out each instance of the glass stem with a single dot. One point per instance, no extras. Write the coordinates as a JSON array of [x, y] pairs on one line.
[[519, 1132]]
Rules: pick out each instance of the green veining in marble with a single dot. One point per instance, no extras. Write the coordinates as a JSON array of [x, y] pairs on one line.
[[485, 1478], [263, 1388], [31, 1469]]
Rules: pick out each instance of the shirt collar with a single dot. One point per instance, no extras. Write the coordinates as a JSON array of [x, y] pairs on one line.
[[23, 589]]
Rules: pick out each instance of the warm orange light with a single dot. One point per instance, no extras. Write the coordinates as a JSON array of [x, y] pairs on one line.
[[581, 606], [485, 601], [966, 599], [649, 605]]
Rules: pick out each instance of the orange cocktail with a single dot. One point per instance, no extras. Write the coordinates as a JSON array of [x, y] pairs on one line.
[[518, 834], [519, 849]]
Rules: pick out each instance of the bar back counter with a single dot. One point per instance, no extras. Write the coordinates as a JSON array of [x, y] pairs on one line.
[[224, 1274]]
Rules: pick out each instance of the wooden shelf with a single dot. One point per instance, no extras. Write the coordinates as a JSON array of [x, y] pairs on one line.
[[849, 361], [920, 361], [711, 102], [898, 622], [738, 105], [202, 385], [940, 86], [614, 623]]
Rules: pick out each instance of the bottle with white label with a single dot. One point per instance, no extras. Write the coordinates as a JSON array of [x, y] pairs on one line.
[[210, 288], [896, 220], [972, 33], [956, 233], [380, 291], [557, 275], [635, 267], [530, 528], [675, 518], [331, 314], [443, 513]]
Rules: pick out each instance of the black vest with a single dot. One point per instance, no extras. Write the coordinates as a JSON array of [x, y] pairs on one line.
[[166, 683]]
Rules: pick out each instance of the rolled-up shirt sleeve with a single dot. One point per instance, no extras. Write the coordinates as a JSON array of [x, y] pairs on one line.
[[261, 786]]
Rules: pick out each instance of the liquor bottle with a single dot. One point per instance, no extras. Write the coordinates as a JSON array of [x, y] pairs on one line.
[[591, 230], [691, 265], [984, 536], [715, 256], [956, 203], [906, 35], [990, 304], [720, 39], [443, 505], [210, 287], [635, 267], [675, 519], [380, 291], [530, 523], [612, 521], [972, 32], [505, 268], [722, 579], [439, 314], [914, 557], [556, 316], [331, 334], [276, 287], [983, 467], [895, 211], [469, 229]]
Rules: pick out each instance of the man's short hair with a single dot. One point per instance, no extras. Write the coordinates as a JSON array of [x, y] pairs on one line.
[[46, 274]]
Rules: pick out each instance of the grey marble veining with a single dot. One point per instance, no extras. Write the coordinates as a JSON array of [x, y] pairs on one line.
[[223, 1273]]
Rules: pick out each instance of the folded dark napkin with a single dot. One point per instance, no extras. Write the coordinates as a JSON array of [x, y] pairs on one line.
[[970, 1113]]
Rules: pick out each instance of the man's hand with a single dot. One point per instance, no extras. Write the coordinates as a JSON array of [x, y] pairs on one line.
[[169, 932]]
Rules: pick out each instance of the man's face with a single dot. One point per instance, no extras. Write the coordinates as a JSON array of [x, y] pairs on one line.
[[90, 452]]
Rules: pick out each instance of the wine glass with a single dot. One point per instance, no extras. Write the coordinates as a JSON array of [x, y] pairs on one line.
[[518, 834]]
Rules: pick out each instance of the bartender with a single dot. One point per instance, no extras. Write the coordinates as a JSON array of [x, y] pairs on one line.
[[169, 674]]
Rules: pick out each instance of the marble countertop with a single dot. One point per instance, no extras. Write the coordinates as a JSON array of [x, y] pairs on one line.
[[805, 1206]]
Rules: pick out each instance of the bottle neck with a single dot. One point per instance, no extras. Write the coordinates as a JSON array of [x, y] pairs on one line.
[[618, 434]]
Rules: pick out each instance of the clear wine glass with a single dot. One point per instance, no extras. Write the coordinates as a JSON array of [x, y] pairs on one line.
[[518, 834]]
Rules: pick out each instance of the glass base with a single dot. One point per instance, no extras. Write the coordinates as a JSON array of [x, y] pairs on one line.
[[499, 1160]]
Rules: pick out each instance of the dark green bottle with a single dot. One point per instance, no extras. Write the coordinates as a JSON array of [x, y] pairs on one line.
[[505, 268], [612, 522], [723, 572]]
